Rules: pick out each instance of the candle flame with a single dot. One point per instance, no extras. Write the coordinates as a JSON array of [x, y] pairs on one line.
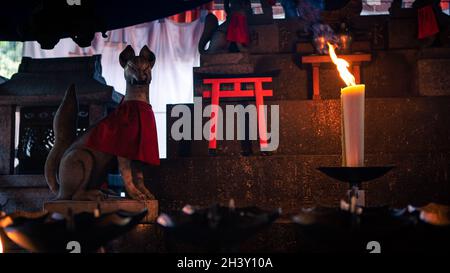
[[342, 66]]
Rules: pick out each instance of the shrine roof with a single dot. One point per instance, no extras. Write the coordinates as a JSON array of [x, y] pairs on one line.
[[43, 81]]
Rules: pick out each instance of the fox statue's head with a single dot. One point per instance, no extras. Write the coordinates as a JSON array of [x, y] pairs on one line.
[[137, 69]]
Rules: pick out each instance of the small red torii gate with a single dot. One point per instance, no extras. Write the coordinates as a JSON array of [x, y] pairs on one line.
[[258, 92]]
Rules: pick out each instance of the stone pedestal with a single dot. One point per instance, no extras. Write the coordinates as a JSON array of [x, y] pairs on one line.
[[105, 207]]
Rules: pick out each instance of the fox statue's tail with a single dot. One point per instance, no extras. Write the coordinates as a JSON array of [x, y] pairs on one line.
[[211, 24], [65, 130]]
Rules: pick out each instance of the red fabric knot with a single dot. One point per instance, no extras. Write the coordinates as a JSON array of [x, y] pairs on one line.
[[427, 23], [238, 29]]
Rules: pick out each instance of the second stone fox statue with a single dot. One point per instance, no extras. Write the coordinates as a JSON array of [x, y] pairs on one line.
[[77, 166]]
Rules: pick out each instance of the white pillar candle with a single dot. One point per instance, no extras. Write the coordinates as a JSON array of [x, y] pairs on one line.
[[352, 107]]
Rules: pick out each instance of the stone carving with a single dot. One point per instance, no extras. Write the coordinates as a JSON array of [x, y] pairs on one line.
[[76, 167]]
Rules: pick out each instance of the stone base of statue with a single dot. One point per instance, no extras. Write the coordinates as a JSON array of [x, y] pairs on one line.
[[64, 207]]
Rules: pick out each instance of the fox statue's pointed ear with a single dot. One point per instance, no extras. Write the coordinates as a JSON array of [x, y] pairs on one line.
[[148, 54], [126, 55]]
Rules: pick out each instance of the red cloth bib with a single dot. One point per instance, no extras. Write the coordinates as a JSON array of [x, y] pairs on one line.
[[238, 29], [428, 25], [129, 131]]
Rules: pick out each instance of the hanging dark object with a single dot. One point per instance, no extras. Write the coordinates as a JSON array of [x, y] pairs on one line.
[[48, 21]]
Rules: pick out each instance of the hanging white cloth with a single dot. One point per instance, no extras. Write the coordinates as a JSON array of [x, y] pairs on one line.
[[175, 47]]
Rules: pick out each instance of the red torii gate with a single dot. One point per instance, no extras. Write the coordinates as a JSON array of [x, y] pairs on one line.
[[258, 92]]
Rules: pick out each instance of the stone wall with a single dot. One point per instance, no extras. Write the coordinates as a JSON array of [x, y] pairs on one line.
[[413, 134], [393, 125]]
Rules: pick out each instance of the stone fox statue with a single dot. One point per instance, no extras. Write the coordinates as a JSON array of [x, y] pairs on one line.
[[76, 167]]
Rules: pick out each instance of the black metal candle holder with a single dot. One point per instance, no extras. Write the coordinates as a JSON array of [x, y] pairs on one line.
[[216, 228], [354, 176], [49, 232]]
